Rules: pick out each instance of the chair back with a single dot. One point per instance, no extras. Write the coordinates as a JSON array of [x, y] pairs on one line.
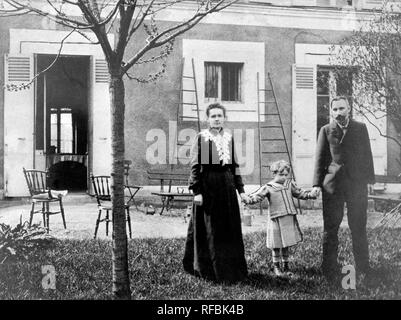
[[36, 181], [127, 166], [101, 187]]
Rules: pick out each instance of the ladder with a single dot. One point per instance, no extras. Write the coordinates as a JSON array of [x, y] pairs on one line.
[[188, 99], [273, 144]]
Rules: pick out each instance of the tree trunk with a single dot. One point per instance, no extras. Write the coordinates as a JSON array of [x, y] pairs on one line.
[[121, 283]]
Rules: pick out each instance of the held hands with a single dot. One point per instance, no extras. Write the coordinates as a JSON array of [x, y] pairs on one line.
[[245, 198], [315, 192], [198, 200]]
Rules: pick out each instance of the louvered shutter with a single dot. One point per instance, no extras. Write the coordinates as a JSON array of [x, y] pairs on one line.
[[18, 123], [100, 101], [304, 117]]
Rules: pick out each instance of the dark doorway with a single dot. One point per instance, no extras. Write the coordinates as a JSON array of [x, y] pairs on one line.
[[67, 175], [62, 119]]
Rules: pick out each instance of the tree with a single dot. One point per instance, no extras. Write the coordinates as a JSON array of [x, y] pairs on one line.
[[127, 19], [374, 55]]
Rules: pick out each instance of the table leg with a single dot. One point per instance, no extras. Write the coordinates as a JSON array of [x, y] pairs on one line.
[[163, 204], [169, 204]]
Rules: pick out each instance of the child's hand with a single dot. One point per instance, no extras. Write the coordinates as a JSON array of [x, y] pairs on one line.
[[256, 198], [245, 198], [315, 192]]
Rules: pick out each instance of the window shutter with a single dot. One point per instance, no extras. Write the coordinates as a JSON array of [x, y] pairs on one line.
[[18, 69], [304, 117], [101, 71], [101, 118], [18, 122]]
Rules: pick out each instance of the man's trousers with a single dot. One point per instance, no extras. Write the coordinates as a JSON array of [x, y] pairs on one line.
[[354, 194]]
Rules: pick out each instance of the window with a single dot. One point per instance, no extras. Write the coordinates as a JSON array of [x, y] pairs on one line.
[[61, 131], [330, 84], [223, 81]]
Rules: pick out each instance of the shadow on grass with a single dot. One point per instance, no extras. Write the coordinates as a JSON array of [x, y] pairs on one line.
[[307, 279]]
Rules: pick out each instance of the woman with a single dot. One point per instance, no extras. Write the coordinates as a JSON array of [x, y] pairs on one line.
[[214, 248]]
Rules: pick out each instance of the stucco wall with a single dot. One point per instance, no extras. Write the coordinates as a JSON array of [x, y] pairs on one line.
[[153, 105]]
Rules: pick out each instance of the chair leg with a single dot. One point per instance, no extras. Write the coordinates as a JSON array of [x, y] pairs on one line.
[[44, 214], [97, 223], [107, 222], [47, 216], [62, 213], [32, 212], [129, 223]]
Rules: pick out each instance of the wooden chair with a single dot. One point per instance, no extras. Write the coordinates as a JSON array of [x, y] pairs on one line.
[[40, 193], [132, 189], [102, 190]]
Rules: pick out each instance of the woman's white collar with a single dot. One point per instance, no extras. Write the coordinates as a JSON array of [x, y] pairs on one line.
[[222, 143]]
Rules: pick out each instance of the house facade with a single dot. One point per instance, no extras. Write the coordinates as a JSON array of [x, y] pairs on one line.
[[62, 121]]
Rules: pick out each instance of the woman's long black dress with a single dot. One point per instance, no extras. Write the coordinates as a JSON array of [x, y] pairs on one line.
[[214, 247]]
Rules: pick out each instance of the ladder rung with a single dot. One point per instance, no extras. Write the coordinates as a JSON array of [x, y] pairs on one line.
[[267, 139], [271, 127], [269, 114], [188, 90], [275, 152], [188, 77], [267, 102], [192, 104], [188, 117]]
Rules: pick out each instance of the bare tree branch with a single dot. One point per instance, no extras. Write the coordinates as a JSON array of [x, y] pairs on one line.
[[175, 31], [380, 131], [27, 85], [99, 31], [125, 23], [64, 20], [142, 18]]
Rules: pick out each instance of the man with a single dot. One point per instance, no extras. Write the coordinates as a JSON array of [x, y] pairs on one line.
[[343, 169]]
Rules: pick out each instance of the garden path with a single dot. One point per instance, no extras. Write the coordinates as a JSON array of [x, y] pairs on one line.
[[81, 217]]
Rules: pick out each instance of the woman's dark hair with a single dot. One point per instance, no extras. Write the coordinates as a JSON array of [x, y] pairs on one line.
[[215, 106]]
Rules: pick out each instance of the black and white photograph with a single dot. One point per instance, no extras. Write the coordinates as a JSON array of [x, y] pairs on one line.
[[200, 157]]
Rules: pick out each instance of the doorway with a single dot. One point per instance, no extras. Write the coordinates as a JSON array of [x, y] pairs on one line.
[[61, 119]]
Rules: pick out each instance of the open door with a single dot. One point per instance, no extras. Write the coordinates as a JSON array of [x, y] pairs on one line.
[[18, 123], [99, 114], [304, 116]]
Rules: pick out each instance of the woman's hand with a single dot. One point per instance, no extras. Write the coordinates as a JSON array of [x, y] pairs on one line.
[[245, 198], [198, 200]]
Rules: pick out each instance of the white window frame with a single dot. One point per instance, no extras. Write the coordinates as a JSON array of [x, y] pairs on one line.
[[220, 84], [251, 54]]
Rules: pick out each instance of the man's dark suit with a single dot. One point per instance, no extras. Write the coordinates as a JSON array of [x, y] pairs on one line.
[[343, 168]]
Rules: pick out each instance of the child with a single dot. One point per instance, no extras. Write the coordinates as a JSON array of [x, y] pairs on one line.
[[282, 226]]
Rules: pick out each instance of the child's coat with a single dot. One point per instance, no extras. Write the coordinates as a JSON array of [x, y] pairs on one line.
[[282, 226]]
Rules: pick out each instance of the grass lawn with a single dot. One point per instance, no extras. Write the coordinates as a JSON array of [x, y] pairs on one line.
[[83, 271]]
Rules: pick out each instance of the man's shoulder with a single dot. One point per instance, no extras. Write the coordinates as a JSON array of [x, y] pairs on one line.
[[356, 123], [327, 126]]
